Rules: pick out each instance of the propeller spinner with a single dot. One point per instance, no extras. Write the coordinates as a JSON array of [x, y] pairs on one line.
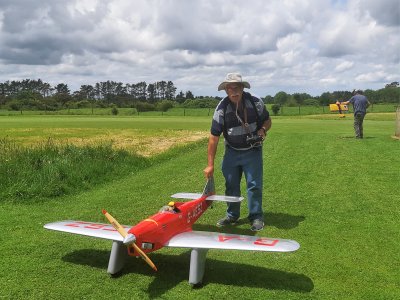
[[129, 239]]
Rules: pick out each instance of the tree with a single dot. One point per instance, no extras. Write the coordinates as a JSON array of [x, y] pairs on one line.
[[2, 100], [3, 89], [189, 95], [180, 98], [164, 105], [340, 96], [151, 92], [388, 95], [170, 91], [46, 89], [141, 90], [275, 108], [281, 98], [325, 99], [87, 92], [62, 94], [268, 99], [28, 99], [393, 84], [301, 97], [62, 88], [161, 88]]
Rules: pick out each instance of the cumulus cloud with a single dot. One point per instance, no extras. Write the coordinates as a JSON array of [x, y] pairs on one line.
[[385, 12], [297, 46], [346, 65]]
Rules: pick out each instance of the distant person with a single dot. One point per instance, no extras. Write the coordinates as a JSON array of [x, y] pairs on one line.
[[244, 122], [360, 104]]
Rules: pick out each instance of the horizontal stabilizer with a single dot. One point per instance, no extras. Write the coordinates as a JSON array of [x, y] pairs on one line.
[[224, 198], [212, 197]]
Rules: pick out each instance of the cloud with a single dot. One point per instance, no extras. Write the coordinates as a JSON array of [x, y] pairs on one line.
[[385, 12], [346, 65], [310, 45]]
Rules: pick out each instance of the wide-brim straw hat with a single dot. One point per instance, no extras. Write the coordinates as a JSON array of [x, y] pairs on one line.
[[233, 78]]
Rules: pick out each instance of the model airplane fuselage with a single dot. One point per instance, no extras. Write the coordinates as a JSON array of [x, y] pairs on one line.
[[154, 232]]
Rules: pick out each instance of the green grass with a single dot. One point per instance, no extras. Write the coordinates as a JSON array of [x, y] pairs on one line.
[[50, 170], [74, 111], [337, 196], [147, 123]]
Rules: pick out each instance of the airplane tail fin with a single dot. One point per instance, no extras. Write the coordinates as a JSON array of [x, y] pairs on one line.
[[209, 188]]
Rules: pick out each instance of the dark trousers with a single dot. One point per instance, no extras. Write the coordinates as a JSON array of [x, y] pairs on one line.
[[249, 163], [358, 125]]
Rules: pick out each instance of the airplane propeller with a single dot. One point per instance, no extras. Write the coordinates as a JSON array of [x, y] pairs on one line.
[[129, 239]]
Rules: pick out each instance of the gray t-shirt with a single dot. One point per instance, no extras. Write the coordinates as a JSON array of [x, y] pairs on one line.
[[360, 103]]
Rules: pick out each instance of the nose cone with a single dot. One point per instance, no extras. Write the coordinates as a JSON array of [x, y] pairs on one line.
[[129, 239]]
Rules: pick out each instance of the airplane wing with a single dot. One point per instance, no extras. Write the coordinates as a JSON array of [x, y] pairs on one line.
[[190, 239], [212, 197], [99, 230], [216, 240]]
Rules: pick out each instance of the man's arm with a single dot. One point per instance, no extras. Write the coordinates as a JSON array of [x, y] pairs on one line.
[[344, 102], [265, 127], [211, 151]]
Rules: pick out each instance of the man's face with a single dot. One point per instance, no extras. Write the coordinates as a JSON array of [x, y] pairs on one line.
[[234, 92]]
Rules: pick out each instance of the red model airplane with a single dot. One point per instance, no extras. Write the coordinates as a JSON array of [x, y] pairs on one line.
[[172, 227]]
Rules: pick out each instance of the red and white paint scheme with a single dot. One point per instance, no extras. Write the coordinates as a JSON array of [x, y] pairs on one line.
[[172, 227]]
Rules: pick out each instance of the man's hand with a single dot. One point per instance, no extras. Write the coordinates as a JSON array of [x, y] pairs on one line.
[[261, 132], [208, 171], [264, 128], [211, 151]]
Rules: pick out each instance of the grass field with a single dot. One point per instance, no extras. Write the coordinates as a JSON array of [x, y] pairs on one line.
[[337, 196]]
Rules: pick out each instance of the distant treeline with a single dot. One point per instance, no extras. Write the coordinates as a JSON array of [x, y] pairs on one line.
[[30, 94]]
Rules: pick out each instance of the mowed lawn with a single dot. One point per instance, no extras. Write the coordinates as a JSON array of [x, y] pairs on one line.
[[337, 196]]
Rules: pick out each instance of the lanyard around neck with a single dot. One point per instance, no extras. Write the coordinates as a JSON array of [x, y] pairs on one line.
[[244, 124]]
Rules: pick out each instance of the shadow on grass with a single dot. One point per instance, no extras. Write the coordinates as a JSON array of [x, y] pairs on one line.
[[354, 138], [283, 221], [173, 269]]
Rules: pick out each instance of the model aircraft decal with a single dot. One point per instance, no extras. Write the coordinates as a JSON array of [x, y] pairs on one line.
[[172, 227], [214, 240], [99, 230]]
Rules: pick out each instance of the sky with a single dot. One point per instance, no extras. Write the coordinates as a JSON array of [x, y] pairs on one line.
[[296, 46]]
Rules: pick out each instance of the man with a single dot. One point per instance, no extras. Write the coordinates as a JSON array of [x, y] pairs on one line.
[[244, 122], [360, 104]]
